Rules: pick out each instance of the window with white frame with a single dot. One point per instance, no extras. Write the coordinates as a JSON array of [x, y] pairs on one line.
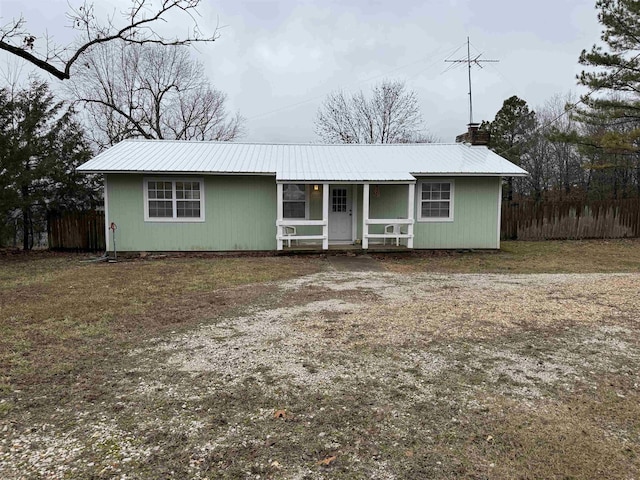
[[173, 200], [436, 201], [294, 200]]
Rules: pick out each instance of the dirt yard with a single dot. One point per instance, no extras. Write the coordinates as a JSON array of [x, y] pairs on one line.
[[330, 374]]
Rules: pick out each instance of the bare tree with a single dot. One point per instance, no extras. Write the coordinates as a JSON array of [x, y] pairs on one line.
[[150, 91], [391, 115], [567, 168], [137, 25]]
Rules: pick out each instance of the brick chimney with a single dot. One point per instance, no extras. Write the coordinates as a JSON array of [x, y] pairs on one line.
[[474, 135]]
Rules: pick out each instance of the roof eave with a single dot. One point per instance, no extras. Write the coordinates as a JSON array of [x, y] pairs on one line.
[[470, 174], [163, 172], [311, 180]]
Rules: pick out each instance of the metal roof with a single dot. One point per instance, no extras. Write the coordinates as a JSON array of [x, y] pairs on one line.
[[302, 162]]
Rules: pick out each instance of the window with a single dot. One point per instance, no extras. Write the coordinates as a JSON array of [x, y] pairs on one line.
[[339, 200], [160, 199], [169, 200], [436, 201], [188, 199], [294, 200]]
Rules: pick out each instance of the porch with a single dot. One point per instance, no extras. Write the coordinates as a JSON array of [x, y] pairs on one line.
[[349, 215], [346, 248]]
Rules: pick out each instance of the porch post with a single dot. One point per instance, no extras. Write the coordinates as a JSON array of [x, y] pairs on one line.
[[365, 216], [107, 230], [411, 213], [279, 198], [325, 216]]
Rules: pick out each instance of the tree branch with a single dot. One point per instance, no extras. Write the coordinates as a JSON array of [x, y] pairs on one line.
[[138, 30], [42, 64]]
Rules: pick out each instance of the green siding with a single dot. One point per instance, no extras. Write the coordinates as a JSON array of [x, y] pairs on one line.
[[391, 203], [315, 203], [240, 214], [475, 217]]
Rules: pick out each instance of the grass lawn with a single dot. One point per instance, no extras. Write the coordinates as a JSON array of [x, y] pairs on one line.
[[60, 311], [280, 367], [562, 256]]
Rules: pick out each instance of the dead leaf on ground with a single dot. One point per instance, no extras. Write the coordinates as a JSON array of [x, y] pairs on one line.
[[327, 461]]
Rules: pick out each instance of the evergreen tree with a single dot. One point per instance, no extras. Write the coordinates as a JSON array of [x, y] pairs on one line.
[[618, 69], [612, 112], [40, 146], [510, 130]]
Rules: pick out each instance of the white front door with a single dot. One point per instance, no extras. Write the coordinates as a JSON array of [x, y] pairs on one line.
[[340, 214]]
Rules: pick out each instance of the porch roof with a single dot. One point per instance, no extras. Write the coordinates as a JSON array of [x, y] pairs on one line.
[[302, 162]]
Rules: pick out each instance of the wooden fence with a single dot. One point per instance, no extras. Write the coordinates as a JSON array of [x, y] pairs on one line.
[[521, 220], [557, 220], [77, 231]]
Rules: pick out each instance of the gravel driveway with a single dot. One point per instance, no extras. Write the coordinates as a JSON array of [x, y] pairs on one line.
[[361, 371]]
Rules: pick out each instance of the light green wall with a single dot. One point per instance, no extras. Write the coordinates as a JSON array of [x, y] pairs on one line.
[[240, 214], [475, 217], [390, 203], [315, 203]]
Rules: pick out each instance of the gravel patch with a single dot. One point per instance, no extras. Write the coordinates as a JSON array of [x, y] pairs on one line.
[[407, 342], [316, 343]]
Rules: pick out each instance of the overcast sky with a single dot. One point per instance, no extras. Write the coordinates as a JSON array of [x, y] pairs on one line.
[[277, 60]]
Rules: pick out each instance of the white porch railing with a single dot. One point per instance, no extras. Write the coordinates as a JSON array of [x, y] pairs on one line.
[[282, 236], [393, 236], [409, 221], [282, 223]]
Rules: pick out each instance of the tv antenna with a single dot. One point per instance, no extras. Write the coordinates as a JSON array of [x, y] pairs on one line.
[[470, 62]]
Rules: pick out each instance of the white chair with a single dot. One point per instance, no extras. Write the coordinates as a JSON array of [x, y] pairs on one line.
[[393, 229], [289, 231]]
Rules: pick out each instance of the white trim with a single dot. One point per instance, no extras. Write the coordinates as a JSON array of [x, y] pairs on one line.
[[183, 173], [384, 221], [175, 218], [390, 235], [325, 216], [411, 212], [298, 222], [418, 200], [463, 174], [106, 216], [354, 212], [365, 216], [279, 219], [308, 181], [301, 237], [352, 182], [499, 212]]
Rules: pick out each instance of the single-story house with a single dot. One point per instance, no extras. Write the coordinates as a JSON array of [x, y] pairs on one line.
[[168, 195]]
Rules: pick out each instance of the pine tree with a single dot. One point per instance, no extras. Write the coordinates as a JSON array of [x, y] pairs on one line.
[[510, 129], [612, 112], [40, 146], [618, 69]]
